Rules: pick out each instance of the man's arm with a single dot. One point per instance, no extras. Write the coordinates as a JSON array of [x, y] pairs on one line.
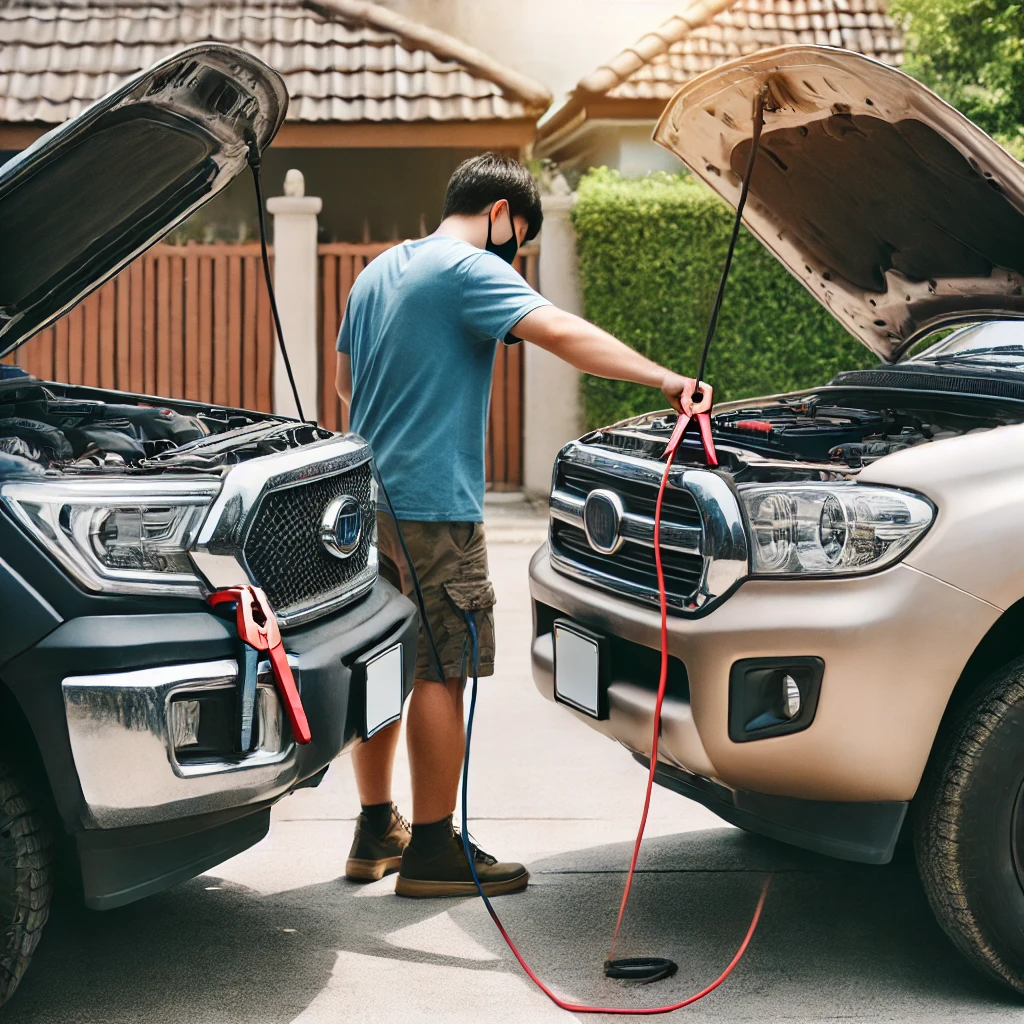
[[592, 350], [343, 379]]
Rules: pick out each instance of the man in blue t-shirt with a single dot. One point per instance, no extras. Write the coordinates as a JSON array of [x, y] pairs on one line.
[[415, 357]]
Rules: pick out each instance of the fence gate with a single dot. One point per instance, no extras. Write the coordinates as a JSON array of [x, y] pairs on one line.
[[340, 265]]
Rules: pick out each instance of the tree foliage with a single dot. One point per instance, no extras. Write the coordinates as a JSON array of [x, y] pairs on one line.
[[650, 255], [971, 52]]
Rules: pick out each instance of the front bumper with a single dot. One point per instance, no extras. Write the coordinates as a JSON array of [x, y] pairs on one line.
[[891, 662], [105, 742]]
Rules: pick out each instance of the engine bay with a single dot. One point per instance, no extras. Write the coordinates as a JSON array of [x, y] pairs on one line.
[[78, 430], [819, 435]]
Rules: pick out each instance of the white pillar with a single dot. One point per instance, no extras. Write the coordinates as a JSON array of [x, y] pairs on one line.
[[551, 402], [295, 284]]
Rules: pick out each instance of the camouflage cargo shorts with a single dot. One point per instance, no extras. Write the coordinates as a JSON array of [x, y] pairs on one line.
[[451, 563]]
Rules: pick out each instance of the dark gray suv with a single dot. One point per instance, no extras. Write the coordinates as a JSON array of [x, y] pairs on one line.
[[141, 742]]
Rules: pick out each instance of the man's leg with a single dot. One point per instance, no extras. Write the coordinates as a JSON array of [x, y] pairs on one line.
[[436, 736], [374, 764], [382, 834]]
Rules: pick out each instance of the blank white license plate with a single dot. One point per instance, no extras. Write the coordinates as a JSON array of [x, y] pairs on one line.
[[384, 675], [579, 669]]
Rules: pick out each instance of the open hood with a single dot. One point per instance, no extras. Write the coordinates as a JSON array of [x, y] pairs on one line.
[[91, 195], [896, 212]]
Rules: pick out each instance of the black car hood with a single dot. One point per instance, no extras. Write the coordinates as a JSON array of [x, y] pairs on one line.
[[93, 194], [896, 212]]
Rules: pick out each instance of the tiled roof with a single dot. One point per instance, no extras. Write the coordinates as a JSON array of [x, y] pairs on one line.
[[708, 33], [342, 60]]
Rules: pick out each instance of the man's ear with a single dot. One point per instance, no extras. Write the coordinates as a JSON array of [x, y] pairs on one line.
[[501, 222]]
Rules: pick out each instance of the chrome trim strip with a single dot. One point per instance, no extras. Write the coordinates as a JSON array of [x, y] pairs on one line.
[[119, 727], [687, 539], [721, 541], [230, 518]]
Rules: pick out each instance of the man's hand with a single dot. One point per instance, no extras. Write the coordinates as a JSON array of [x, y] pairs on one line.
[[679, 391]]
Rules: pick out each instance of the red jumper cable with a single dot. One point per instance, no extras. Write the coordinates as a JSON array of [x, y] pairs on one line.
[[257, 626]]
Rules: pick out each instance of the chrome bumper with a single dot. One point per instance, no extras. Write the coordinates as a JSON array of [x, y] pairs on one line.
[[119, 726]]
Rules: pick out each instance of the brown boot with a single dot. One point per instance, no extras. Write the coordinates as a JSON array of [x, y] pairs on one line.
[[375, 854], [439, 868]]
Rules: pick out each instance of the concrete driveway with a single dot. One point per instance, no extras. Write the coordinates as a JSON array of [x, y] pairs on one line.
[[277, 935]]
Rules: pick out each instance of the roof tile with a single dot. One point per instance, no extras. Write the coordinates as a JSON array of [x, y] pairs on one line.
[[751, 25], [57, 58]]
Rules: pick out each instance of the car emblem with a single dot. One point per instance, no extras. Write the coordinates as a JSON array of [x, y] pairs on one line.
[[341, 526], [602, 521]]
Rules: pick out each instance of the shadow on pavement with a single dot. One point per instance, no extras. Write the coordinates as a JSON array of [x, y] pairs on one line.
[[836, 940]]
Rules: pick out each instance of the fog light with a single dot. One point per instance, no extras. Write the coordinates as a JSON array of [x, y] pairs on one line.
[[773, 696], [184, 723], [791, 701]]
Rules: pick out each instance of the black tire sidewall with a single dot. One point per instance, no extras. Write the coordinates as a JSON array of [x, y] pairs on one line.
[[989, 801], [979, 785]]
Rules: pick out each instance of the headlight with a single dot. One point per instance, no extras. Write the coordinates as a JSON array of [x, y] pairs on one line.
[[830, 529], [125, 536]]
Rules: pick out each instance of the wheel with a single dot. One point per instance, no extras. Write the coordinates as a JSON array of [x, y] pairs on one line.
[[969, 829], [26, 884]]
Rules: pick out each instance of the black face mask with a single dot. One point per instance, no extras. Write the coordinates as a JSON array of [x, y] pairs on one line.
[[506, 250]]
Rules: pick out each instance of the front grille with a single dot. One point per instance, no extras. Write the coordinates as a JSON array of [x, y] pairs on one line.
[[631, 569], [633, 563], [283, 549]]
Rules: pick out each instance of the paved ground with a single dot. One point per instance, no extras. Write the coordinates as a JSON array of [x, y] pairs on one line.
[[275, 936]]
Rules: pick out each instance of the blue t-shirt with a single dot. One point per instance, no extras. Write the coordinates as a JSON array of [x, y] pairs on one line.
[[421, 328]]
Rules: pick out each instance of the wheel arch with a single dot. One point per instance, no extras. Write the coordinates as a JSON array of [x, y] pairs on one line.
[[1003, 643]]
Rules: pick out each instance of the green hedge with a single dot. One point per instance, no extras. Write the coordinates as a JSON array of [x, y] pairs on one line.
[[650, 255]]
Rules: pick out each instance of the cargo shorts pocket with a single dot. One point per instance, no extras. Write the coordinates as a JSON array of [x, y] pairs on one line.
[[477, 598]]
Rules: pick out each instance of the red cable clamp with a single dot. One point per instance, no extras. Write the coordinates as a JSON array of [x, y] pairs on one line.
[[257, 627], [682, 425]]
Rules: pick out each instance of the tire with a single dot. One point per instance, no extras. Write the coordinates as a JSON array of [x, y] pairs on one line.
[[26, 878], [969, 829]]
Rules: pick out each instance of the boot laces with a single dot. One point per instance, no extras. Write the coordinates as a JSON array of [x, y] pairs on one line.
[[479, 856], [400, 819]]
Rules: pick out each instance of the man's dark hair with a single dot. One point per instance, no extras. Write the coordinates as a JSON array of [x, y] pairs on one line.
[[479, 182]]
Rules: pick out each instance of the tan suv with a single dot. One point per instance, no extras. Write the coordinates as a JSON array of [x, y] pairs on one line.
[[846, 626]]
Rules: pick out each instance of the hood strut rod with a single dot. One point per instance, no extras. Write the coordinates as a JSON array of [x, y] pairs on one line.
[[747, 174], [254, 160]]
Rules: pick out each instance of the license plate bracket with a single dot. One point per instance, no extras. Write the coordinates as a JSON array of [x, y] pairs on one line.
[[581, 664]]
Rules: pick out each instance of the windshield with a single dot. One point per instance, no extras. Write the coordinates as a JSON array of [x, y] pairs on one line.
[[996, 343]]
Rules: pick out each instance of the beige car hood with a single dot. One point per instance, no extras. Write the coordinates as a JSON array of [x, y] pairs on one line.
[[896, 212]]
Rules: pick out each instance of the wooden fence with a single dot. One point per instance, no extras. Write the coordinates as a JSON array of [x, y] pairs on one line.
[[194, 322], [187, 322], [340, 264]]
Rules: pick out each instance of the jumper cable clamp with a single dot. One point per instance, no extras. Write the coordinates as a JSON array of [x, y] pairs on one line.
[[257, 627], [703, 422]]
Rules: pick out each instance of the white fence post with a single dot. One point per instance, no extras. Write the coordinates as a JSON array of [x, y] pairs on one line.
[[551, 403], [296, 279]]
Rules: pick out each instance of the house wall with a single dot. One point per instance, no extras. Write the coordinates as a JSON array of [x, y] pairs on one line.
[[556, 42], [389, 194], [625, 148]]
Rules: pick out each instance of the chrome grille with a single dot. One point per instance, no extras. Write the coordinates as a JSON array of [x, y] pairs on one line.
[[264, 528], [283, 549], [703, 544]]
